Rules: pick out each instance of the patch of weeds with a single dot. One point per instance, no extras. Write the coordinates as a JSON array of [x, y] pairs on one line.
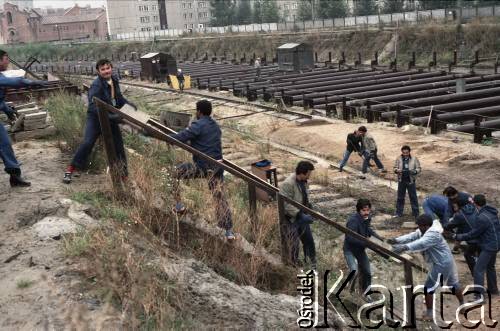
[[227, 272], [69, 113], [24, 283], [76, 244], [487, 142], [105, 207]]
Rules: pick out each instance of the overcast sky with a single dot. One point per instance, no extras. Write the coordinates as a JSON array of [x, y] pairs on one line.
[[67, 3]]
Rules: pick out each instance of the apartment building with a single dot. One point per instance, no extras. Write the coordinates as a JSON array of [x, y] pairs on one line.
[[125, 16], [187, 14]]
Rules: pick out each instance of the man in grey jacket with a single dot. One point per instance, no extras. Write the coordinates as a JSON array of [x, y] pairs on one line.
[[295, 187], [369, 151], [428, 239], [407, 167]]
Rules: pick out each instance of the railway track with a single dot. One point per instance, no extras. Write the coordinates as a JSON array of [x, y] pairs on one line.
[[228, 101]]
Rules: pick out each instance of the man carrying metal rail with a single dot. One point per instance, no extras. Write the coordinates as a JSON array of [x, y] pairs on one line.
[[107, 88], [437, 205], [369, 151], [295, 187], [486, 229], [428, 240], [354, 144], [355, 249], [12, 166], [205, 135], [407, 167]]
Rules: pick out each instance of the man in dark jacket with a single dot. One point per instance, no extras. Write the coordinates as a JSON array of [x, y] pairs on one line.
[[355, 249], [11, 165], [354, 144], [205, 135], [437, 205], [486, 230], [107, 88], [453, 196], [463, 221]]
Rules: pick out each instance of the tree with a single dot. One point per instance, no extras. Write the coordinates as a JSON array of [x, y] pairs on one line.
[[437, 4], [266, 11], [331, 9], [222, 12], [304, 11], [393, 6], [244, 12], [365, 7], [270, 11]]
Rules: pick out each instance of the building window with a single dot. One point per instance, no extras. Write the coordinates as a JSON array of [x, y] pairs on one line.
[[185, 26], [190, 15], [294, 5], [155, 18], [201, 26], [201, 4], [183, 5], [185, 15], [154, 7], [145, 19], [9, 18], [157, 28], [189, 5]]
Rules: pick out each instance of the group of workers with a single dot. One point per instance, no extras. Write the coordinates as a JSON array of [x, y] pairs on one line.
[[453, 215]]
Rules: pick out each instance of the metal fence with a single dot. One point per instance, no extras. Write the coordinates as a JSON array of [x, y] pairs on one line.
[[410, 17]]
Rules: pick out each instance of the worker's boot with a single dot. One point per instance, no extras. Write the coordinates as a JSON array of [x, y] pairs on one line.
[[68, 174], [16, 180]]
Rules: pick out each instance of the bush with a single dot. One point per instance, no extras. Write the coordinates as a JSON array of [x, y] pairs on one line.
[[68, 112]]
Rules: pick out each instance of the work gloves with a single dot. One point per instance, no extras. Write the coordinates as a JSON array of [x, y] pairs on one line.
[[391, 241], [398, 249], [449, 235]]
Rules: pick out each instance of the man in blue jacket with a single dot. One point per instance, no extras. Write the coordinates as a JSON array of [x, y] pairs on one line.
[[463, 221], [107, 88], [205, 135], [355, 249], [486, 230], [437, 205], [11, 165]]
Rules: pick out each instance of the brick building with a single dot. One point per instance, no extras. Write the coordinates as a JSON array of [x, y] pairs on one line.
[[35, 25]]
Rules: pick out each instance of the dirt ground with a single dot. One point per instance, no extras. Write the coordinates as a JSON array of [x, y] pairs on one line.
[[39, 286]]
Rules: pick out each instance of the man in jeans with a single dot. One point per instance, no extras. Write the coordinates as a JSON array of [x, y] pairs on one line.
[[464, 220], [295, 188], [11, 165], [486, 229], [369, 151], [407, 168], [428, 239], [353, 145], [205, 135], [107, 88], [355, 249]]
